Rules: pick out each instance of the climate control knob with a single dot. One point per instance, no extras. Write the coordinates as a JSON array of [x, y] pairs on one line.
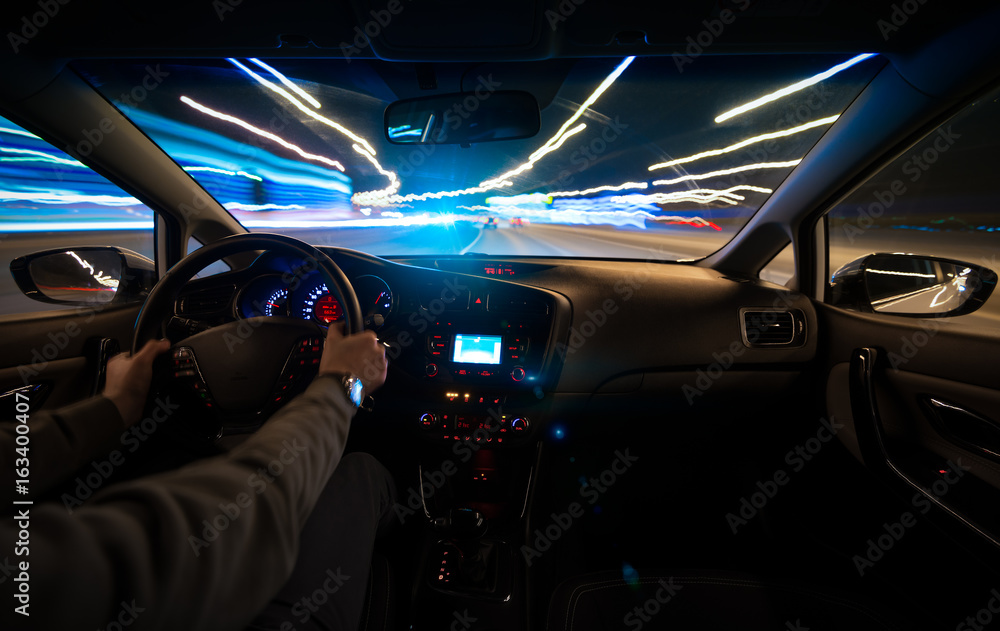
[[427, 421], [517, 374], [431, 369], [520, 424]]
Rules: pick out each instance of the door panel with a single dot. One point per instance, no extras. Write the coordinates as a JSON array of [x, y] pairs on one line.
[[60, 349], [910, 445]]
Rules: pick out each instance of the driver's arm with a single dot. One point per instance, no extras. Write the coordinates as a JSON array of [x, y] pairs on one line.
[[67, 439], [205, 546]]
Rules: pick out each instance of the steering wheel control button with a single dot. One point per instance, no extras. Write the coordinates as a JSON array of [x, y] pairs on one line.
[[518, 373]]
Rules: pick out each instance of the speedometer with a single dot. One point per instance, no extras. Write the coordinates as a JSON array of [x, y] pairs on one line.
[[321, 306]]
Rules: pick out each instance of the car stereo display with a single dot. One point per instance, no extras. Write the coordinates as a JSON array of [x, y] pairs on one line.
[[477, 349]]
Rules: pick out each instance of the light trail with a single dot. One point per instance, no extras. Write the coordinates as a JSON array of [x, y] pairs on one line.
[[288, 83], [740, 169], [795, 87], [749, 141], [260, 132]]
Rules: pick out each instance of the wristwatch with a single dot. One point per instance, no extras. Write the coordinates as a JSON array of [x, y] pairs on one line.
[[353, 388]]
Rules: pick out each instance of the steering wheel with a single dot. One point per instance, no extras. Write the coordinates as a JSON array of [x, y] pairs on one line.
[[231, 377]]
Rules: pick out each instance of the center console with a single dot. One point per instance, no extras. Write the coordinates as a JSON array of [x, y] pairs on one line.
[[479, 365]]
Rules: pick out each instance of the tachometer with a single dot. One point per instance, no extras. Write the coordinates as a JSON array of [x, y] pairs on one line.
[[375, 298], [277, 303], [321, 306]]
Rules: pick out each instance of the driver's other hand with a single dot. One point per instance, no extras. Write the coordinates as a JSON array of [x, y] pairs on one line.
[[360, 354], [128, 377]]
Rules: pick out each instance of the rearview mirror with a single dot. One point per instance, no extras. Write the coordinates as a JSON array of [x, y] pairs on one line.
[[462, 118], [84, 276], [909, 285]]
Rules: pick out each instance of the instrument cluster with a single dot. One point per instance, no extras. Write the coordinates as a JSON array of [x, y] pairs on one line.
[[272, 295]]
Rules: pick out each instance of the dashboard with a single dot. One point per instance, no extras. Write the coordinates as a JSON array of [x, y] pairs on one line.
[[476, 343]]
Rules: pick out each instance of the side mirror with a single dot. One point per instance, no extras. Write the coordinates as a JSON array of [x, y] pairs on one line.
[[84, 276], [462, 118], [910, 285]]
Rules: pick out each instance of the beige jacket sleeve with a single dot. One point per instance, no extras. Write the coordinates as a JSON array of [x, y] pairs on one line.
[[202, 547]]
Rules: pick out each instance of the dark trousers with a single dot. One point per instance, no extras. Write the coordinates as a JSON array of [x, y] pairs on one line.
[[327, 587]]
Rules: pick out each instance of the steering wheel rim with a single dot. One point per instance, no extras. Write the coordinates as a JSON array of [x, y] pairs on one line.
[[163, 295]]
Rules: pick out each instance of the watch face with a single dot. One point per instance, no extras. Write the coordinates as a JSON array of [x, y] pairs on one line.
[[356, 392]]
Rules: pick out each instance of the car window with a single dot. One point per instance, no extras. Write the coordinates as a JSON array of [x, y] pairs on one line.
[[940, 198], [49, 199]]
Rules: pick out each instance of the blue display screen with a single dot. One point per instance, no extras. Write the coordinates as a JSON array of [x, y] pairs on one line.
[[477, 349]]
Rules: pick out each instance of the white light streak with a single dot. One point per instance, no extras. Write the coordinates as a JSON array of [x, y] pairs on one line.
[[599, 189], [795, 87], [45, 157], [257, 207], [564, 132], [746, 167], [260, 132], [18, 132], [305, 110], [56, 197], [225, 172], [288, 83], [749, 141]]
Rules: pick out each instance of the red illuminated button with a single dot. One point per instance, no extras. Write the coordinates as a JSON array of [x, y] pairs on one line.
[[517, 374]]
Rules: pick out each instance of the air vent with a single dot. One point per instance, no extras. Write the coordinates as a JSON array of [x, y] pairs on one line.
[[770, 327], [205, 301]]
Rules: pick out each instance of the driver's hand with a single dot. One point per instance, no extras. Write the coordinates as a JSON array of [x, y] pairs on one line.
[[361, 355], [127, 382]]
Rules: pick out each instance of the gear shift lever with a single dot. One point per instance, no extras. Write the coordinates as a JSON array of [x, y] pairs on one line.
[[461, 523]]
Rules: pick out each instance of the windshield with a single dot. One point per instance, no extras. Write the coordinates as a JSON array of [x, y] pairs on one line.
[[635, 158]]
